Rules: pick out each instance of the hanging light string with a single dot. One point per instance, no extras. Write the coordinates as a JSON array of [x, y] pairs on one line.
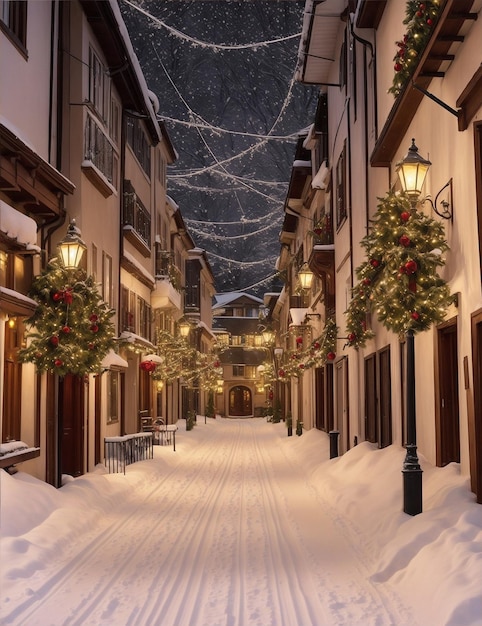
[[211, 235], [217, 130], [217, 164], [242, 221], [270, 259], [204, 44], [260, 282], [277, 186]]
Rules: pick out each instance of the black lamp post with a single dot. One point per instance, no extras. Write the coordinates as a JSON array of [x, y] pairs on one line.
[[412, 171]]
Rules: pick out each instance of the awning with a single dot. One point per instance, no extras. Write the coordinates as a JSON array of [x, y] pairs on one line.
[[113, 361]]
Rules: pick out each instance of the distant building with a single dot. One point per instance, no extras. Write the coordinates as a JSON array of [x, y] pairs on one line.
[[236, 323]]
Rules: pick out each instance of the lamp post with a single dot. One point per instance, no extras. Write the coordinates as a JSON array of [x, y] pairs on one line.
[[412, 171], [71, 248]]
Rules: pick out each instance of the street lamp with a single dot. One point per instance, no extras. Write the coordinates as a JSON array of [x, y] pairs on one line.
[[412, 171], [305, 276], [184, 329], [71, 248]]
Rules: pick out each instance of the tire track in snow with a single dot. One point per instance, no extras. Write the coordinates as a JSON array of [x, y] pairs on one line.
[[181, 607], [62, 579], [296, 596]]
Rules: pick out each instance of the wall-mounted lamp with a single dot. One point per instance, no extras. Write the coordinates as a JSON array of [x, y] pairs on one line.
[[184, 329], [71, 248], [305, 276], [412, 170], [268, 336]]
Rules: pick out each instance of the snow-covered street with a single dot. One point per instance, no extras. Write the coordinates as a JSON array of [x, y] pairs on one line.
[[241, 526]]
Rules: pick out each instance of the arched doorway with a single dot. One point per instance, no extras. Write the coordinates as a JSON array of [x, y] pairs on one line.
[[240, 402]]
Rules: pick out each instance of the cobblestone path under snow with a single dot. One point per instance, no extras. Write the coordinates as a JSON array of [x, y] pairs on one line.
[[226, 531]]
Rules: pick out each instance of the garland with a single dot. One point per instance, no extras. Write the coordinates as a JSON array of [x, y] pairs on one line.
[[420, 19], [72, 326]]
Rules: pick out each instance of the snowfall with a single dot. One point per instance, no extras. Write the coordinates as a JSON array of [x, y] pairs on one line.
[[242, 525]]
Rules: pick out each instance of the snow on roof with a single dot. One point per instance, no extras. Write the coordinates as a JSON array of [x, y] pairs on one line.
[[112, 359], [135, 63], [222, 299], [16, 225]]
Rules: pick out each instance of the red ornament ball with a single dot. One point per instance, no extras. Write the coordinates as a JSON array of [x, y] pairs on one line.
[[66, 329], [411, 266], [404, 241], [299, 340], [351, 337], [405, 216], [57, 296], [316, 345], [281, 373], [68, 297], [398, 67], [54, 340], [415, 316], [94, 328], [331, 356], [301, 366], [217, 364], [91, 346], [366, 281], [419, 13], [58, 363], [374, 262], [429, 22], [93, 318]]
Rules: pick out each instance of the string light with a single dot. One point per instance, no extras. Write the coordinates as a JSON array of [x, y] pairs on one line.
[[205, 44]]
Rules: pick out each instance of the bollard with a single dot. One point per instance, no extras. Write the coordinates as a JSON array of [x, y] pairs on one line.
[[334, 434]]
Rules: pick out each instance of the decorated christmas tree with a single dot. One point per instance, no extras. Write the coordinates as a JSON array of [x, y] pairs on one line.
[[399, 281], [72, 329]]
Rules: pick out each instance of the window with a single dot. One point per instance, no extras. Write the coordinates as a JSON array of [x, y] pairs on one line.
[[114, 121], [340, 188], [107, 284], [93, 266], [135, 214], [139, 144], [97, 85], [144, 318], [238, 370], [13, 16], [113, 396], [99, 151]]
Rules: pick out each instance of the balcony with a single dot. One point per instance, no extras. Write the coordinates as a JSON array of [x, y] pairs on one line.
[[165, 295]]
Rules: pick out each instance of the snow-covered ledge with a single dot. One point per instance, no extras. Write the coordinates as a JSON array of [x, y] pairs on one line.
[[13, 452]]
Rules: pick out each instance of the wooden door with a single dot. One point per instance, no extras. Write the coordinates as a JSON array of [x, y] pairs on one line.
[[240, 402], [475, 415], [12, 405], [447, 414], [385, 398], [320, 421], [371, 421], [342, 418], [71, 425]]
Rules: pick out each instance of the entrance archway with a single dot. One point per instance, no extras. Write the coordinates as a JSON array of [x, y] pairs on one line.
[[240, 402]]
